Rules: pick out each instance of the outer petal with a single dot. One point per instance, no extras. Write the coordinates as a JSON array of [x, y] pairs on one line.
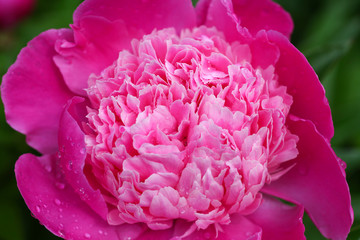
[[34, 93], [254, 15], [58, 207], [105, 27], [72, 158], [295, 72], [317, 182], [279, 221]]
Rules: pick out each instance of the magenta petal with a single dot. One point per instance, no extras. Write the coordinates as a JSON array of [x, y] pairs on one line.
[[105, 27], [139, 14], [216, 13], [317, 182], [279, 221], [72, 159], [295, 72], [254, 15], [57, 206], [34, 93]]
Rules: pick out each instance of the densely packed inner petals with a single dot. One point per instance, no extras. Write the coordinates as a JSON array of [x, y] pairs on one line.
[[183, 126]]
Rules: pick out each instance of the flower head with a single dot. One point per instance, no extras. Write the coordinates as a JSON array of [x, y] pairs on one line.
[[155, 127]]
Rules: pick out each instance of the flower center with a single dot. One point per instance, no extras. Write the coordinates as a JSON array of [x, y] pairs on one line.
[[183, 127]]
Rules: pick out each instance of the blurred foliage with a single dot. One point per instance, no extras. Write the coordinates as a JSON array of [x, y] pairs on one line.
[[326, 31]]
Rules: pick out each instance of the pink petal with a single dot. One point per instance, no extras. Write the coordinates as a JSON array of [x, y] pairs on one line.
[[240, 229], [58, 207], [254, 15], [278, 220], [317, 182], [72, 159], [303, 85], [34, 93], [104, 27]]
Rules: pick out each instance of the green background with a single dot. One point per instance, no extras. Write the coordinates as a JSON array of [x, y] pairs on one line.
[[326, 31]]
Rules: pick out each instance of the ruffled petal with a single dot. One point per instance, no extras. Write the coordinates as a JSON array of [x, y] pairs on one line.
[[72, 158], [34, 93], [240, 228], [317, 182], [104, 27], [278, 220], [58, 207], [303, 85], [254, 15]]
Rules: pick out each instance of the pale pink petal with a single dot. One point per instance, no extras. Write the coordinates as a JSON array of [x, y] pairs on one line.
[[239, 229], [72, 159], [34, 93], [104, 27], [317, 182], [254, 15], [58, 207], [278, 220], [303, 85]]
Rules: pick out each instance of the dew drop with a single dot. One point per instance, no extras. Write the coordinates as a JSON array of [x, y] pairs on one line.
[[87, 235], [343, 164], [60, 185], [101, 232], [59, 155], [48, 168], [82, 151], [61, 226], [61, 234], [70, 165], [38, 209], [57, 202]]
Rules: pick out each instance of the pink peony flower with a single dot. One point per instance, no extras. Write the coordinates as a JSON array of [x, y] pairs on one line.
[[156, 120], [11, 11]]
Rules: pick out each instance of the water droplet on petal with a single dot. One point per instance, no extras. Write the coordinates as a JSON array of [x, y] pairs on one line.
[[101, 232], [60, 185], [61, 234], [38, 209], [70, 165], [87, 235], [57, 202], [48, 168], [82, 151]]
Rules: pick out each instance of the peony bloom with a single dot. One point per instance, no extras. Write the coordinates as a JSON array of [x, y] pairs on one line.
[[11, 11], [156, 120]]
